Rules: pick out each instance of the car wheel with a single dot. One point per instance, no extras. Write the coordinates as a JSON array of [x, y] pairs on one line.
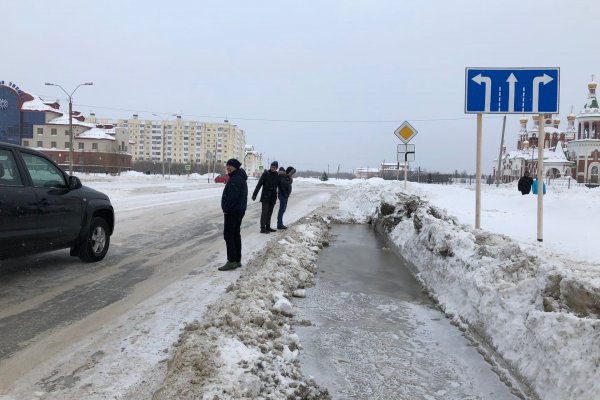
[[96, 242]]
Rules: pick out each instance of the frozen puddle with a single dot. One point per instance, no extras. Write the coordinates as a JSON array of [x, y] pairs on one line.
[[377, 336]]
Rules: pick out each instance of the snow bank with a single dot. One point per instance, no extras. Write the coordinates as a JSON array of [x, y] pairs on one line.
[[245, 346], [538, 312]]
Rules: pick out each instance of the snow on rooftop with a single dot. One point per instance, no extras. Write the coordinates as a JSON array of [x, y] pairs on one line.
[[96, 133], [64, 120], [38, 104]]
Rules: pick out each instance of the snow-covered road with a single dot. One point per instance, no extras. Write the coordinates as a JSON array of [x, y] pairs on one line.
[[77, 331]]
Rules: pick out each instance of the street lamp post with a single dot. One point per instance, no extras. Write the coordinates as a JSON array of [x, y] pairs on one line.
[[70, 96]]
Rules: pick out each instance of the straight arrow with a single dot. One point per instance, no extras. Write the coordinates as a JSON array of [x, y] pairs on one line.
[[479, 79], [545, 79], [511, 92]]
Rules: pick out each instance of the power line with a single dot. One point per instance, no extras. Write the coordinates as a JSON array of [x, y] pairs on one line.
[[317, 121]]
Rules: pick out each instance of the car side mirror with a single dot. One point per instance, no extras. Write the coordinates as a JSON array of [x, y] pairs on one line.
[[74, 183]]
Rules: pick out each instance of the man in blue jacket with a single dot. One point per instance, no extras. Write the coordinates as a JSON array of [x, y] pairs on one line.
[[233, 204], [283, 192]]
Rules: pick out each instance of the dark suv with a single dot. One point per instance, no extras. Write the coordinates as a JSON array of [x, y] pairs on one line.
[[42, 208]]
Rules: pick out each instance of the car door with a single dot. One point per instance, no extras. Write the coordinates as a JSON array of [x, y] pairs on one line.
[[18, 209], [60, 209]]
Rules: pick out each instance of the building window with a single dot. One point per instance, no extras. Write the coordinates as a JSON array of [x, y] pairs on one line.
[[67, 145], [40, 143], [94, 146], [53, 145], [26, 143], [40, 131], [53, 132], [80, 146]]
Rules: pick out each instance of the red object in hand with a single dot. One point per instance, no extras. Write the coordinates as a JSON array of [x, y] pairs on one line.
[[222, 178]]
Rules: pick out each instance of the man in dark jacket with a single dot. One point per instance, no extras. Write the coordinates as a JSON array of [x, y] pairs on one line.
[[268, 181], [233, 204], [525, 183], [283, 192]]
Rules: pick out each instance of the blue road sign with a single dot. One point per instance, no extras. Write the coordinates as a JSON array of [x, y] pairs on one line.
[[512, 90]]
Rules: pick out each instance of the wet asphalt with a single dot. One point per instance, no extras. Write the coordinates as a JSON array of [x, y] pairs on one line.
[[376, 334]]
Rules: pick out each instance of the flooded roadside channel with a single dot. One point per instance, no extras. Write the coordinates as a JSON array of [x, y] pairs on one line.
[[376, 335]]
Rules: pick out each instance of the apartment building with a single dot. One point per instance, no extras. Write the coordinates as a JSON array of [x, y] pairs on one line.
[[181, 141]]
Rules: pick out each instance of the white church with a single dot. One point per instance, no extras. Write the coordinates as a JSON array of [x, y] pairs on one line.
[[573, 152]]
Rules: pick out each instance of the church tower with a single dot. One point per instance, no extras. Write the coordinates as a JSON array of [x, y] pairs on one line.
[[584, 151]]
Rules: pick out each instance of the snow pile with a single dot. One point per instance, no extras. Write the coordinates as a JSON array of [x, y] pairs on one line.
[[538, 312], [245, 346]]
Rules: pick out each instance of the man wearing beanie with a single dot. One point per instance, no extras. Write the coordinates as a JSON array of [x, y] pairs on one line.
[[269, 180], [233, 204], [283, 192]]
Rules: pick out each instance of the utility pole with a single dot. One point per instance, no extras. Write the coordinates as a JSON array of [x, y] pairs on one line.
[[70, 96], [498, 174]]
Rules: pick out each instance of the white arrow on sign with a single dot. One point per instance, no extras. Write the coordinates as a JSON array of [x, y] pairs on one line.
[[479, 79], [512, 79], [545, 79]]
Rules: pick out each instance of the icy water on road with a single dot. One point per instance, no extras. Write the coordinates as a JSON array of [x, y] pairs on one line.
[[376, 335]]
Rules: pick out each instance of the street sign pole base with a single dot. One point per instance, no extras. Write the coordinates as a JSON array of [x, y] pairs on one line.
[[540, 240]]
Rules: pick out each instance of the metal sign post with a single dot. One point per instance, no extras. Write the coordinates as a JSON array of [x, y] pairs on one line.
[[406, 152], [512, 91], [540, 181], [478, 172], [405, 133]]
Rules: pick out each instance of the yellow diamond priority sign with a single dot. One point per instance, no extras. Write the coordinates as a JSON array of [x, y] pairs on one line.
[[405, 132]]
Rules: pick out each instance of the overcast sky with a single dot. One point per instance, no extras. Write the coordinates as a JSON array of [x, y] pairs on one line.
[[315, 84]]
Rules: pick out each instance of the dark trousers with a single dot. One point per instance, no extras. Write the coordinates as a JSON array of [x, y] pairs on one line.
[[232, 236], [267, 212], [282, 207]]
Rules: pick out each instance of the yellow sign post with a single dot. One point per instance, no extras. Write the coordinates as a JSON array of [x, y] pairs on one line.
[[405, 132]]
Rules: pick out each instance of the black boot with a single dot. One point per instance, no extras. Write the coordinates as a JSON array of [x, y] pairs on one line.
[[229, 265]]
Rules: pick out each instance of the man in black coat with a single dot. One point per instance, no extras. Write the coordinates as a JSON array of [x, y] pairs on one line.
[[268, 181], [233, 203], [524, 184]]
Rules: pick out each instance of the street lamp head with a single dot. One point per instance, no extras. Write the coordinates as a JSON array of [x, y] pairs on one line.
[[70, 119]]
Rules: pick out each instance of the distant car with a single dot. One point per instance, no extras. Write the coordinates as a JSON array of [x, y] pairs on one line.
[[42, 208], [223, 178]]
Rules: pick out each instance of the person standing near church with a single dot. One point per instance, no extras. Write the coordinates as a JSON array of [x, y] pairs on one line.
[[269, 180], [524, 184], [283, 193], [233, 203], [534, 187]]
